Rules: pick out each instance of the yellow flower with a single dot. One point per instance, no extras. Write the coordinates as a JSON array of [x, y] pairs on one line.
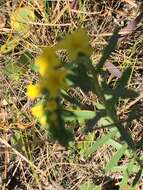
[[33, 91], [38, 110], [43, 120], [54, 81], [46, 61], [77, 42], [51, 105]]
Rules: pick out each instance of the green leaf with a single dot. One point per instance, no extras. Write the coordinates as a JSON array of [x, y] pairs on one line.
[[15, 138], [25, 59], [116, 158], [105, 121], [80, 115], [114, 144], [89, 186], [20, 19], [92, 123], [13, 71], [86, 143], [123, 168], [100, 106], [100, 142], [126, 175], [117, 145]]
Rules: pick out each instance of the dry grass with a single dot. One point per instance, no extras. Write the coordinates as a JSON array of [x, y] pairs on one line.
[[33, 161]]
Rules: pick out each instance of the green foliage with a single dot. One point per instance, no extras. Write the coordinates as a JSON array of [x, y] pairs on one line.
[[63, 138], [20, 19], [13, 71], [79, 115], [18, 142], [85, 144], [115, 158], [84, 75], [91, 79], [26, 59], [118, 135], [99, 143], [89, 186], [126, 175]]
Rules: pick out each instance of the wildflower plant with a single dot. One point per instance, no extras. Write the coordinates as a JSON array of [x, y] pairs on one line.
[[56, 77], [53, 80]]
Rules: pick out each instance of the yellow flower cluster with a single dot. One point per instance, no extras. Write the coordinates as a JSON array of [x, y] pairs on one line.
[[47, 61], [76, 43], [53, 76], [40, 110], [51, 81], [33, 91]]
